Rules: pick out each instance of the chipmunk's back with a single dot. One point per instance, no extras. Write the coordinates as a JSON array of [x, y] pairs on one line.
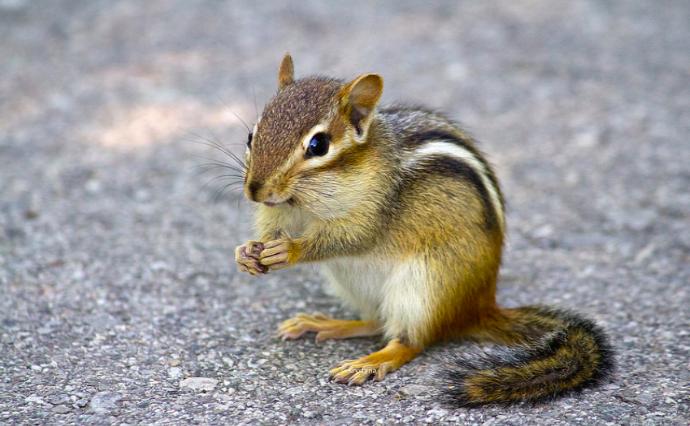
[[433, 144]]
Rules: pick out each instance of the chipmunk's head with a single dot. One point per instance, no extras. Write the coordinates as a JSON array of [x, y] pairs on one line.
[[307, 136]]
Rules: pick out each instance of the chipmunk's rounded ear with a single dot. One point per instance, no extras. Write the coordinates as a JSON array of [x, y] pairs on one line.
[[286, 72], [359, 98]]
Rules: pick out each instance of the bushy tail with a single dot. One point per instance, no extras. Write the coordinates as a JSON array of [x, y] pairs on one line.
[[549, 353]]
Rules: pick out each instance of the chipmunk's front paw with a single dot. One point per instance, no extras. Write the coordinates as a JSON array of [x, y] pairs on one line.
[[279, 254], [247, 258]]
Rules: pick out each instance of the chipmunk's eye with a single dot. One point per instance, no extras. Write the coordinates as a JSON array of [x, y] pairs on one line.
[[318, 145], [249, 140]]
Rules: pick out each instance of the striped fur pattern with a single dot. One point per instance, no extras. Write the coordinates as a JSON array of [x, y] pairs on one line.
[[406, 219], [431, 141], [565, 356]]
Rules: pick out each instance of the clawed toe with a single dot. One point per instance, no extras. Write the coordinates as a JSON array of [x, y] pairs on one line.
[[247, 258], [302, 323], [325, 327], [356, 372], [376, 365]]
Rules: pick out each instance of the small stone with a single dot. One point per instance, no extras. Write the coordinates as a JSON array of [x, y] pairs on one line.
[[159, 265], [202, 384], [103, 402], [294, 390], [415, 390], [35, 399], [437, 412], [93, 186], [175, 372], [62, 409], [59, 399], [224, 398]]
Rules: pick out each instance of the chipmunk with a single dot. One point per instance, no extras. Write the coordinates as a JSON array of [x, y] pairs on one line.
[[405, 217]]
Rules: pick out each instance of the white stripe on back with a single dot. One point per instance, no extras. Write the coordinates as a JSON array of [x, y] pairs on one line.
[[452, 150]]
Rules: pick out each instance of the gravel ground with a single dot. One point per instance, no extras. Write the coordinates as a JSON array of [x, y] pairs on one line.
[[119, 300]]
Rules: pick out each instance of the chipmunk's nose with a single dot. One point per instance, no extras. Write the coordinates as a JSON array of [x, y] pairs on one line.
[[254, 187]]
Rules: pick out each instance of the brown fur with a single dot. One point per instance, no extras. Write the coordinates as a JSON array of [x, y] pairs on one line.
[[285, 118]]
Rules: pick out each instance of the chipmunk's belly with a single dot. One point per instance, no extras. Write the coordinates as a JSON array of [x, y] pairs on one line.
[[398, 294], [359, 282]]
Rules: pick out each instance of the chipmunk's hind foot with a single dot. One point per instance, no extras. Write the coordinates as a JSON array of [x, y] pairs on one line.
[[376, 365]]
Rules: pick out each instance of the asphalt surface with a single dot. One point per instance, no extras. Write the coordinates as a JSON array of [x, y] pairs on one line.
[[119, 300]]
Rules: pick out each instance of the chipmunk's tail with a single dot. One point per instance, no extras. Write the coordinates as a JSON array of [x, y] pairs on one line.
[[547, 353]]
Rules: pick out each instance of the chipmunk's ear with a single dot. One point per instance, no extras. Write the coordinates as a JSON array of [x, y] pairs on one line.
[[358, 100], [286, 73]]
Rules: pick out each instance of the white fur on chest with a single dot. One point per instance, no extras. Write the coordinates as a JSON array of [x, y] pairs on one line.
[[396, 294], [359, 282]]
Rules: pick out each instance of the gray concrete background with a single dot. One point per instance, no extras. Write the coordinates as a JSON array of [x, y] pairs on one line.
[[116, 273]]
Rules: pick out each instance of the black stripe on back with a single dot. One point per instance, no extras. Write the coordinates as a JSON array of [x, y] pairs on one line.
[[439, 164], [418, 139]]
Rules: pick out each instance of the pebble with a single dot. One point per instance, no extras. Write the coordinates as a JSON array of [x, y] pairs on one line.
[[415, 390], [175, 372], [62, 409], [202, 384], [104, 402], [35, 399]]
